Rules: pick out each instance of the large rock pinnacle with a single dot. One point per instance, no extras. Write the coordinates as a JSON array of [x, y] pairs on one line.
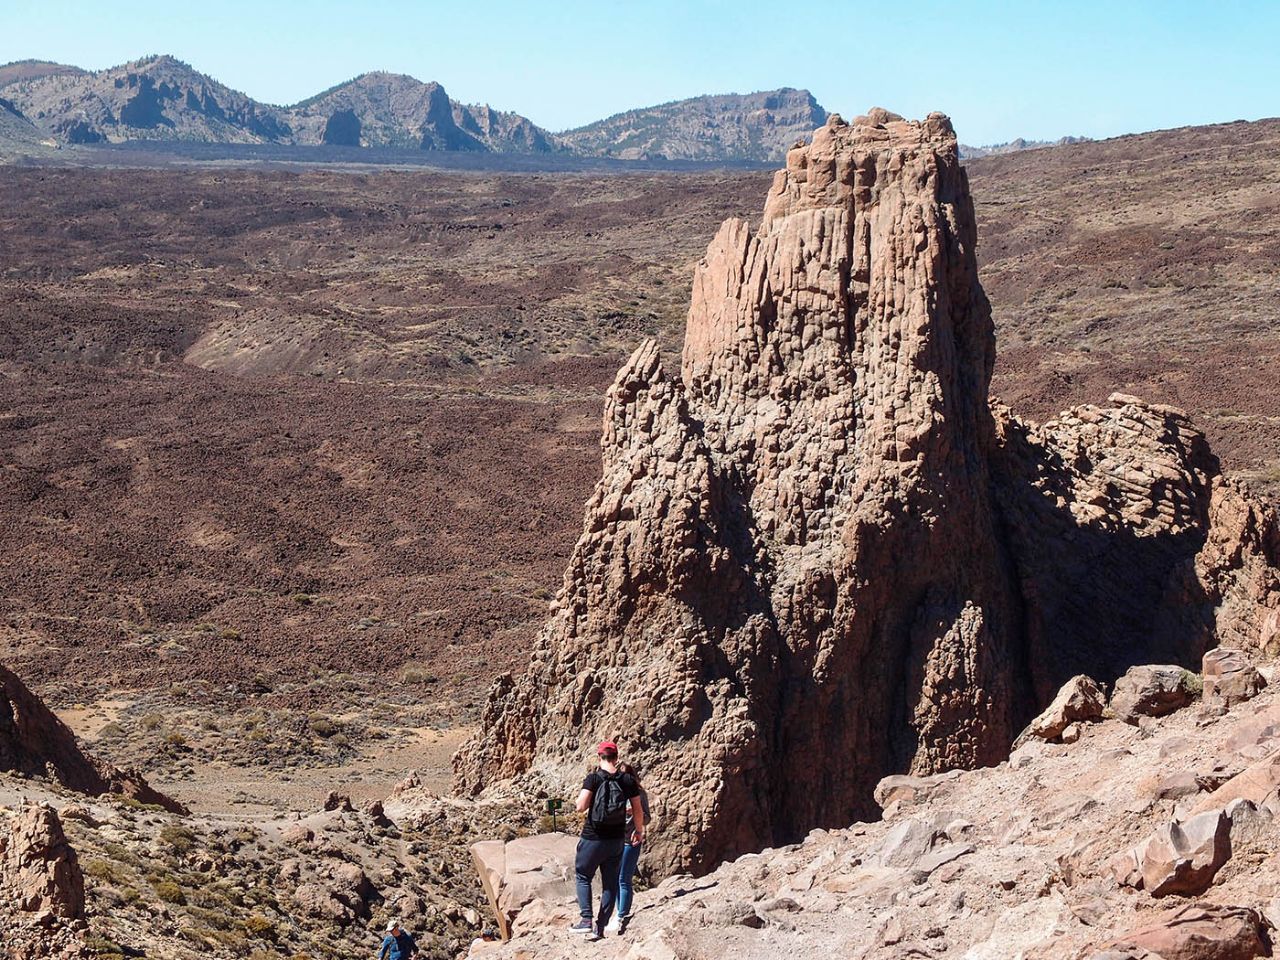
[[812, 559]]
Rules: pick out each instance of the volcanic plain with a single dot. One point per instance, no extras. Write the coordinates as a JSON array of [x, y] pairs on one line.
[[305, 450]]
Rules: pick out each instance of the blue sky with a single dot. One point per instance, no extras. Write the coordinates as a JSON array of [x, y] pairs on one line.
[[1034, 68]]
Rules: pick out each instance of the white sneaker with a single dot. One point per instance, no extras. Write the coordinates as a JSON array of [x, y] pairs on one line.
[[614, 926]]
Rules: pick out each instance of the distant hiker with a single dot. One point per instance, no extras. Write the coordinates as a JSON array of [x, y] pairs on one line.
[[398, 944], [630, 858], [607, 794]]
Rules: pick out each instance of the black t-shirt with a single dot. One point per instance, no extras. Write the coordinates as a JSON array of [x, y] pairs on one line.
[[630, 789]]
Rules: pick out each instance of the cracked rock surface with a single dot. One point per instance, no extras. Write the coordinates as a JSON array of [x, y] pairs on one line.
[[820, 555]]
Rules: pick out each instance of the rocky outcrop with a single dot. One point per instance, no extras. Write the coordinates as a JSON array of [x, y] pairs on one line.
[[997, 863], [819, 556], [39, 871], [1229, 678], [34, 742]]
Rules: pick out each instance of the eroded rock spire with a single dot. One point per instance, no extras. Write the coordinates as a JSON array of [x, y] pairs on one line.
[[814, 558]]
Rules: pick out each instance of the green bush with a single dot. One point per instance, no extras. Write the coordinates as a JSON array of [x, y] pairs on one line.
[[103, 870], [169, 892], [322, 726], [179, 838], [259, 926], [103, 947]]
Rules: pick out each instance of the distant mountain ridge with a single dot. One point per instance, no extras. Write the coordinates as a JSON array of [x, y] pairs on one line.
[[1013, 146], [162, 98], [755, 126]]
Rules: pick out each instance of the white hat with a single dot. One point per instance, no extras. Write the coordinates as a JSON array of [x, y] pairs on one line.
[[392, 924]]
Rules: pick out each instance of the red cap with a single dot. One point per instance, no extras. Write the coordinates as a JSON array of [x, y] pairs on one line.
[[606, 745]]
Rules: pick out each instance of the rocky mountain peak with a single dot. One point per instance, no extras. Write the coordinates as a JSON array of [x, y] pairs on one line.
[[819, 556]]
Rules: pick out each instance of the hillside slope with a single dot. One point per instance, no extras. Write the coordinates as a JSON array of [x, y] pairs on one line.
[[755, 126], [406, 402], [394, 110], [156, 98], [17, 133]]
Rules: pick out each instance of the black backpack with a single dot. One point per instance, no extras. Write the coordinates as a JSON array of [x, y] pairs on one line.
[[609, 804]]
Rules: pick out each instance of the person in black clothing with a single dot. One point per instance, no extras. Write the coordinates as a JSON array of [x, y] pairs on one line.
[[607, 797]]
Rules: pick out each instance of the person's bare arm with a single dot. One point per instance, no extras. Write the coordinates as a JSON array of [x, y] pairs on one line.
[[584, 801], [637, 814]]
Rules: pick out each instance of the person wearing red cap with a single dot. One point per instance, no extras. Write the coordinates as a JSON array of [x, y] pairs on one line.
[[606, 798]]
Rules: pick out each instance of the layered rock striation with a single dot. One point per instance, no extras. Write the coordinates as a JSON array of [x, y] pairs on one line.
[[819, 555]]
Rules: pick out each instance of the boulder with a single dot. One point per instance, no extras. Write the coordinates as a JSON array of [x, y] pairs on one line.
[[1229, 678], [1151, 690], [908, 790], [333, 891], [39, 871], [1184, 857], [337, 802], [529, 881], [1199, 931], [1080, 699], [904, 844]]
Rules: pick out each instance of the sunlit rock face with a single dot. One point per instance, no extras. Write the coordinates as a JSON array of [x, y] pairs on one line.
[[818, 556]]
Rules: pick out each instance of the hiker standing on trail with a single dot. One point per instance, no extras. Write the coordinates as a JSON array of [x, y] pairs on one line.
[[607, 794], [398, 944], [630, 857]]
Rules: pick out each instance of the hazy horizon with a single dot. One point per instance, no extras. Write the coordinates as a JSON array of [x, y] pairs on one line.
[[1029, 70]]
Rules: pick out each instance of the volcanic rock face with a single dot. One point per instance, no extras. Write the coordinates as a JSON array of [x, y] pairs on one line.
[[35, 742], [819, 557], [38, 868]]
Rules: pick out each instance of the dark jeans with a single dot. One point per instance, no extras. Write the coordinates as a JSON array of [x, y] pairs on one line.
[[605, 856], [627, 872]]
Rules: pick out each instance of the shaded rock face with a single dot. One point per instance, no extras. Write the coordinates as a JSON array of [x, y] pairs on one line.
[[819, 556], [35, 742]]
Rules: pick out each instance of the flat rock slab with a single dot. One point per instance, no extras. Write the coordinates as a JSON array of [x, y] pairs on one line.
[[531, 876]]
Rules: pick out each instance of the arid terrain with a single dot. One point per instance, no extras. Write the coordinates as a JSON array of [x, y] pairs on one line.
[[292, 462]]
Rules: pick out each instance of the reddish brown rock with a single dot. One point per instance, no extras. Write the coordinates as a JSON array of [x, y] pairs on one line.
[[39, 871], [1201, 932], [329, 890], [1079, 699], [820, 539], [1255, 783], [35, 742], [335, 801], [1229, 678], [1184, 857], [1151, 690]]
